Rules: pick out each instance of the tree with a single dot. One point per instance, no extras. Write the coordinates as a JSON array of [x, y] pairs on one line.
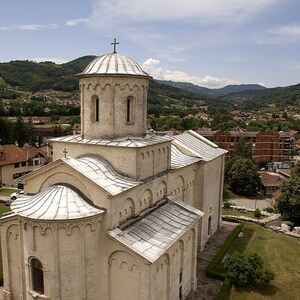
[[288, 203], [243, 149], [248, 270], [243, 178]]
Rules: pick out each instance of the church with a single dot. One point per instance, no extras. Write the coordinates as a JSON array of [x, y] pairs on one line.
[[120, 212]]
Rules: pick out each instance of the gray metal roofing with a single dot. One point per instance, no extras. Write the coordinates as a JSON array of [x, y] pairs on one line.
[[113, 63], [57, 202], [102, 173], [155, 233], [130, 142], [179, 159], [197, 145]]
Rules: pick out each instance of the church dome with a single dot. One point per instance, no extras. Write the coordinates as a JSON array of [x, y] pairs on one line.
[[57, 202], [113, 64]]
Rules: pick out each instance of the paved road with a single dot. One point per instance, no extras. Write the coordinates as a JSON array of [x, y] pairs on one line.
[[250, 203]]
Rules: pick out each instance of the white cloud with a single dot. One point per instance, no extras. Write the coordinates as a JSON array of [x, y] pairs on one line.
[[159, 10], [75, 22], [280, 35], [30, 27], [152, 66], [57, 60]]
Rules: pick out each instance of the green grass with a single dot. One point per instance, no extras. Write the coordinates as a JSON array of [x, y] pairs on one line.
[[3, 209], [7, 192], [280, 254], [228, 194]]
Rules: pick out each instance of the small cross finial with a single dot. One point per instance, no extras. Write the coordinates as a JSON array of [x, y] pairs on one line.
[[65, 153], [115, 43]]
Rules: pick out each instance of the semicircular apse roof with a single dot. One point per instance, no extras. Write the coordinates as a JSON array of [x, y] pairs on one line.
[[57, 202], [113, 64]]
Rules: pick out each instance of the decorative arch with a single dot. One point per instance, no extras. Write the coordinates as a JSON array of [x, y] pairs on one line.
[[147, 199], [123, 276], [69, 179], [179, 185], [162, 190], [126, 210]]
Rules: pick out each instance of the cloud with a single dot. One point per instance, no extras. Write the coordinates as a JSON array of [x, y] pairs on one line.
[[57, 60], [163, 10], [152, 66], [280, 35], [76, 22], [29, 27]]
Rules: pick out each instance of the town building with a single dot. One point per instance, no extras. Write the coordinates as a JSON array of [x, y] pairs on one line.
[[119, 213], [17, 161], [267, 147]]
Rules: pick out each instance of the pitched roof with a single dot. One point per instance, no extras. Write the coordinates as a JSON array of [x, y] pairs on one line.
[[158, 231], [57, 202], [10, 154], [197, 145]]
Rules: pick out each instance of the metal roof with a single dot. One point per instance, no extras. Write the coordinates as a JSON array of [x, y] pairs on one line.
[[57, 202], [179, 159], [102, 173], [130, 142], [113, 64], [155, 233], [197, 145]]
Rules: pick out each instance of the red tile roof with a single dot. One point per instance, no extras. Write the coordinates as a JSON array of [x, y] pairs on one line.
[[10, 154]]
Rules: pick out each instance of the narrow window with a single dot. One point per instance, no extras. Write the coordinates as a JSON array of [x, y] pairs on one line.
[[180, 286], [97, 109], [128, 110], [37, 276]]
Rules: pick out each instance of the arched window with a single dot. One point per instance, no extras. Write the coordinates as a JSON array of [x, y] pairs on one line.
[[129, 104], [97, 109], [37, 276]]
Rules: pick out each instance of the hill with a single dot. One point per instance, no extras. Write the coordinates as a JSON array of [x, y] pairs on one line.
[[29, 76], [230, 89]]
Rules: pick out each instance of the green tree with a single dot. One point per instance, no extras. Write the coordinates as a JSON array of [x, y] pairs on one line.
[[288, 203], [243, 149], [243, 178], [248, 270]]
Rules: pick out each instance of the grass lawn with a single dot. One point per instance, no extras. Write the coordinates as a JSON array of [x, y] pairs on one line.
[[7, 191], [280, 254], [3, 209]]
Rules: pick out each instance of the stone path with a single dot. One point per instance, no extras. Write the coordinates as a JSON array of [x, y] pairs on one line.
[[250, 203], [208, 288]]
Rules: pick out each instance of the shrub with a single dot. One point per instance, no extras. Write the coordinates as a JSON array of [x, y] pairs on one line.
[[246, 270], [226, 205], [210, 271], [257, 213], [269, 209], [224, 291]]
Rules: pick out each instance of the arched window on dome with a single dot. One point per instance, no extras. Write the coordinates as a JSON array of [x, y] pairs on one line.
[[130, 110], [37, 275]]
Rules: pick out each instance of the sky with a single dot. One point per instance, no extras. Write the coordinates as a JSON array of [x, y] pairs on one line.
[[211, 43]]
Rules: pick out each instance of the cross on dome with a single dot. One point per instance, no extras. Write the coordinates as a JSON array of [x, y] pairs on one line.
[[115, 43]]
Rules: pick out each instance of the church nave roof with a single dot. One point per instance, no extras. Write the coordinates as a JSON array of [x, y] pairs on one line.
[[155, 233], [179, 159], [58, 202]]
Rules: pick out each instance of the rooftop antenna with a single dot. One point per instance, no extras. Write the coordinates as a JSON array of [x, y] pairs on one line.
[[115, 43]]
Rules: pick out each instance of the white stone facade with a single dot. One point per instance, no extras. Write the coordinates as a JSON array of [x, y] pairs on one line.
[[150, 202]]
